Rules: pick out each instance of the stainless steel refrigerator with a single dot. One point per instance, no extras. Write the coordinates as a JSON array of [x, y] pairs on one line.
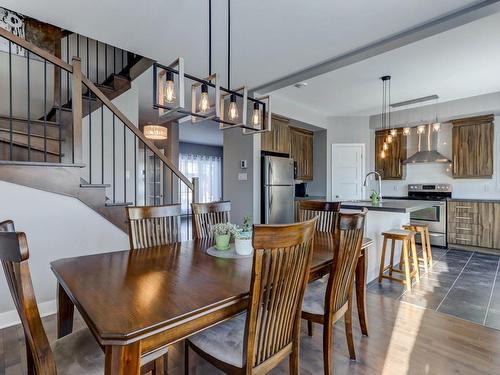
[[278, 190]]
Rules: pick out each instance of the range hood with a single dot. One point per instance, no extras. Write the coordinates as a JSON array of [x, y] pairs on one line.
[[427, 148]]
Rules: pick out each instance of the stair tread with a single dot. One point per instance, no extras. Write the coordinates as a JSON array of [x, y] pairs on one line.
[[32, 135], [33, 148], [40, 164], [117, 204], [35, 121], [95, 185]]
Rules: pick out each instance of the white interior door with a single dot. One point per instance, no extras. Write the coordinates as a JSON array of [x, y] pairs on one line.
[[347, 171]]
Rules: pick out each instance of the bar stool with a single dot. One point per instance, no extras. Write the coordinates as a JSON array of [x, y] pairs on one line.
[[407, 239], [423, 229]]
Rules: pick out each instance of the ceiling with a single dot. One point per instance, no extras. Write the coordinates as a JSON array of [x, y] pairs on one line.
[[459, 63], [269, 39]]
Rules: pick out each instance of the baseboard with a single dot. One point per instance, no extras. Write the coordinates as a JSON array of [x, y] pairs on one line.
[[11, 318]]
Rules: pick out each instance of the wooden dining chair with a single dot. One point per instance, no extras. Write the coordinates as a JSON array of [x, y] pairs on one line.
[[325, 211], [76, 353], [257, 341], [207, 214], [326, 302], [154, 225]]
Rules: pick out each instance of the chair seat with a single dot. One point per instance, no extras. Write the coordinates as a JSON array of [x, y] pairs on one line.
[[314, 297], [79, 353], [398, 232], [223, 341]]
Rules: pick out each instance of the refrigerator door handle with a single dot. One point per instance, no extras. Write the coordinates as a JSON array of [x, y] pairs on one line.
[[270, 202]]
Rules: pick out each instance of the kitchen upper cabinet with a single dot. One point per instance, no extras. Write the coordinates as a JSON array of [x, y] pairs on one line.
[[278, 139], [301, 151], [473, 147], [391, 167]]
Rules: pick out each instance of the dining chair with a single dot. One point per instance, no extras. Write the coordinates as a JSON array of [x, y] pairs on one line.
[[259, 339], [7, 226], [76, 353], [325, 211], [326, 302], [154, 225], [207, 214]]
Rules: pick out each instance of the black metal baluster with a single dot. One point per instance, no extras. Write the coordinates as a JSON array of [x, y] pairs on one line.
[[114, 60], [135, 170], [114, 161], [67, 73], [11, 144], [105, 61], [90, 132], [29, 103], [124, 163], [121, 61], [102, 143], [171, 187], [45, 111], [154, 179], [96, 61], [58, 119], [78, 45], [88, 59], [145, 175]]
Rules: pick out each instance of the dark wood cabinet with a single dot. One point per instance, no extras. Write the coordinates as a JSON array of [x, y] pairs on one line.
[[473, 147], [474, 223], [301, 151], [278, 139], [391, 166]]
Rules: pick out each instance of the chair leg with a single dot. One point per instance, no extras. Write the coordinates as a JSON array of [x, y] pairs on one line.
[[159, 366], [382, 261], [406, 265], [415, 258], [327, 347], [348, 330], [393, 247], [310, 328], [423, 237], [186, 358], [294, 358], [429, 248]]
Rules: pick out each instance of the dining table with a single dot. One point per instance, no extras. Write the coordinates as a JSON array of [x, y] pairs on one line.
[[136, 302]]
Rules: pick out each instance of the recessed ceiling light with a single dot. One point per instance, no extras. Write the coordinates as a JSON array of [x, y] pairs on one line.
[[300, 85]]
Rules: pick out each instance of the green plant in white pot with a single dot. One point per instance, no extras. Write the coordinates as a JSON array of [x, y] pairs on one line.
[[243, 242], [222, 234]]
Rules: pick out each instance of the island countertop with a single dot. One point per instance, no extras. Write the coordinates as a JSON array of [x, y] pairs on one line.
[[388, 205]]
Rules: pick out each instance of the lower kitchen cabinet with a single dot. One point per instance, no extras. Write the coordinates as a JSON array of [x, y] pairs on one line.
[[472, 223]]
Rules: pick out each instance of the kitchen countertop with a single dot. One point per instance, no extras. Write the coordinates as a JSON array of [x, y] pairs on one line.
[[388, 205], [311, 198]]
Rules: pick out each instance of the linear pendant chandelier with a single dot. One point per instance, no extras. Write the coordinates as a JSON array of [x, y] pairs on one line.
[[209, 101]]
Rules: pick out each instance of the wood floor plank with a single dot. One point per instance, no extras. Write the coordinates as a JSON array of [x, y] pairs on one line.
[[404, 339]]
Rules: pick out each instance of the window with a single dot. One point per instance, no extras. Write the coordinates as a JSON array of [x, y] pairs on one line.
[[209, 171]]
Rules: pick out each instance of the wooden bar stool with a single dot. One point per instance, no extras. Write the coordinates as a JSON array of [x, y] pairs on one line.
[[407, 238], [423, 229]]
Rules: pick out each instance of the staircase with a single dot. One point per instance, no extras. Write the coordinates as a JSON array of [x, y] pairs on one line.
[[61, 132]]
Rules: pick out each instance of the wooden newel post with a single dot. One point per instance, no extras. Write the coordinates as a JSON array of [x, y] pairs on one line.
[[196, 199], [76, 100]]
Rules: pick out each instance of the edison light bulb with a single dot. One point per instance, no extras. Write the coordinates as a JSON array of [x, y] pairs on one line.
[[406, 131], [389, 138], [385, 147], [256, 114], [204, 102], [421, 129], [233, 108], [436, 126], [382, 154], [394, 132], [170, 94]]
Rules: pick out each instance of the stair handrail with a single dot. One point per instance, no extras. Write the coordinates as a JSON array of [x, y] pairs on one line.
[[78, 76], [36, 50]]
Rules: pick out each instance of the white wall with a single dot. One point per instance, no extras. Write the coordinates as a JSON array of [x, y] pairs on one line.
[[57, 227]]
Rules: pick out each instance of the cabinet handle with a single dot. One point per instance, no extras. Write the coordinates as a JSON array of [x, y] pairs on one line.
[[463, 207], [399, 162], [463, 239], [463, 217], [463, 228]]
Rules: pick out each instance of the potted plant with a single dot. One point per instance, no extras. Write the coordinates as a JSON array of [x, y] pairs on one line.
[[246, 228], [243, 242], [222, 234], [375, 198]]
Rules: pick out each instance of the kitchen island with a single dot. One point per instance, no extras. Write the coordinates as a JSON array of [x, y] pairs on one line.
[[386, 215]]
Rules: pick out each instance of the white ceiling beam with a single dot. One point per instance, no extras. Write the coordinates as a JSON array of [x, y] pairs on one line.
[[426, 30]]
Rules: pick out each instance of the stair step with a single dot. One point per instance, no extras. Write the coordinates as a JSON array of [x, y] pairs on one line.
[[40, 164], [34, 121], [118, 204], [95, 185], [32, 135], [33, 148]]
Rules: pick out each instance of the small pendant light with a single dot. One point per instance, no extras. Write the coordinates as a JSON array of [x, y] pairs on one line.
[[170, 95], [204, 101], [233, 112], [256, 114]]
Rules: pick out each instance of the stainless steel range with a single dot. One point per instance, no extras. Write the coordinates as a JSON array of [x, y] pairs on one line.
[[435, 216]]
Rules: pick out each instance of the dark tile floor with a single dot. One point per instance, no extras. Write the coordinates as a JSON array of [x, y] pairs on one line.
[[463, 284]]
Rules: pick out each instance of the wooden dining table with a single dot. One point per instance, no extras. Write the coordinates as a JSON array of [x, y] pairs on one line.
[[138, 301]]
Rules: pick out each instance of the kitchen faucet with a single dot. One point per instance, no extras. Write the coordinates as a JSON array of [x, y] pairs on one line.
[[379, 182]]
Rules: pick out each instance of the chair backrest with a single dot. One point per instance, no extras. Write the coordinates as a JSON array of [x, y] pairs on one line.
[[14, 255], [281, 264], [207, 214], [154, 225], [347, 241], [325, 211]]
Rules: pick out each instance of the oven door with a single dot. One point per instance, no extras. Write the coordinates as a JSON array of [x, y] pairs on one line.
[[434, 217]]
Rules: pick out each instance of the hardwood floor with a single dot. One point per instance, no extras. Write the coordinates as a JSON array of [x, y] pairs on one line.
[[404, 339]]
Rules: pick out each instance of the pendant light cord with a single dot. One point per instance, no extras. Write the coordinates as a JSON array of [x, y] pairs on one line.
[[229, 44], [209, 37]]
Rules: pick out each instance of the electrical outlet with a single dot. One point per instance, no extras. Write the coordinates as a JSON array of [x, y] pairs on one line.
[[242, 177]]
